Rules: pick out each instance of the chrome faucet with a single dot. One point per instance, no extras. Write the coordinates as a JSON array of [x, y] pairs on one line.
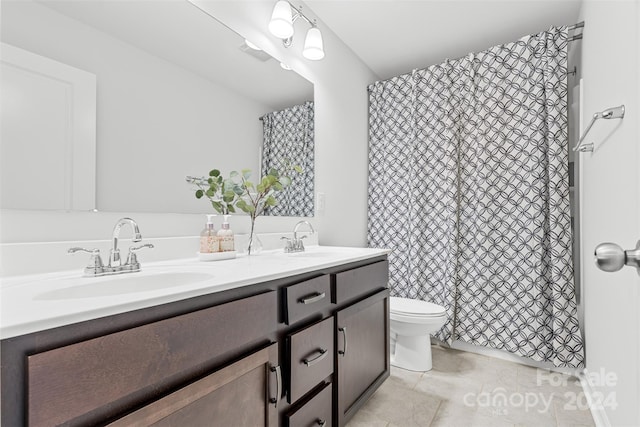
[[114, 258], [96, 268], [295, 244]]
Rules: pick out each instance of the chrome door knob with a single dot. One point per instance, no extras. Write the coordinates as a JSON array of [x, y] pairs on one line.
[[611, 257]]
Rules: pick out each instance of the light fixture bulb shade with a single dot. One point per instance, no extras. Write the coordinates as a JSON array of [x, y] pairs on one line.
[[281, 24], [313, 46]]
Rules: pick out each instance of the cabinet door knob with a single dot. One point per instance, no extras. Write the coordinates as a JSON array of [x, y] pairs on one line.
[[322, 353], [344, 341], [275, 400]]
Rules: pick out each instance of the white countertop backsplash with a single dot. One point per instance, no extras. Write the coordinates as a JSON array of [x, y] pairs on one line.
[[46, 257]]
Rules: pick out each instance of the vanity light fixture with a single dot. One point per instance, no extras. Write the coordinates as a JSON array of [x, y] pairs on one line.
[[281, 25]]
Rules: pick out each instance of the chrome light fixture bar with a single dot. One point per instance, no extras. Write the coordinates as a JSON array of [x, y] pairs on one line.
[[281, 25]]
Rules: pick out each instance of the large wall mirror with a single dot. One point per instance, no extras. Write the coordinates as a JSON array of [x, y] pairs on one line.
[[177, 94]]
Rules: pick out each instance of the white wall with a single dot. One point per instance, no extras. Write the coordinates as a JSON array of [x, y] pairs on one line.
[[157, 122], [610, 199]]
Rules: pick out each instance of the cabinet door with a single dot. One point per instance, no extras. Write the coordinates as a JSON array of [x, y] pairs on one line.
[[245, 393], [362, 344]]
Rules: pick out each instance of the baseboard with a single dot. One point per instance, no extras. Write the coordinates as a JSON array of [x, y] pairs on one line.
[[598, 412]]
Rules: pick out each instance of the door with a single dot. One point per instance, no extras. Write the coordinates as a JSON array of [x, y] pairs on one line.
[[610, 208], [362, 356], [245, 393]]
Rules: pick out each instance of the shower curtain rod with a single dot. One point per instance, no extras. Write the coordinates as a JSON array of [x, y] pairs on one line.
[[578, 25], [575, 27]]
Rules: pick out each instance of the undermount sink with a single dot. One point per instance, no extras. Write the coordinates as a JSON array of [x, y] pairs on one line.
[[124, 284]]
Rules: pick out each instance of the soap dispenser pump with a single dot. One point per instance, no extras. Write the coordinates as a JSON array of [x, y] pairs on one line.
[[209, 241], [225, 235]]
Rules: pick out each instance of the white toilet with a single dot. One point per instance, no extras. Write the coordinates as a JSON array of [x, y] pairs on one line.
[[412, 322]]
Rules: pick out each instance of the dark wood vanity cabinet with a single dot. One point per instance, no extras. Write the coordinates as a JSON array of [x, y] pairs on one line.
[[362, 362], [298, 351]]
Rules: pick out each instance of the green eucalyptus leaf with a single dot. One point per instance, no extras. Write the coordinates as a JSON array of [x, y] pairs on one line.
[[243, 206], [214, 172], [233, 174], [199, 194], [246, 173], [231, 209], [274, 172], [260, 188], [278, 186], [270, 201], [297, 168], [210, 193], [217, 206], [285, 181], [228, 196]]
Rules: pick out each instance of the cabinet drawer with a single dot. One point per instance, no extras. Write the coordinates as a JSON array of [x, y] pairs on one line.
[[83, 378], [306, 298], [310, 357], [316, 412], [351, 284]]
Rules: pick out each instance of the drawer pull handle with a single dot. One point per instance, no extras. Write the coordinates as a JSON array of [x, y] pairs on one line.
[[321, 423], [344, 341], [322, 353], [275, 400], [311, 299]]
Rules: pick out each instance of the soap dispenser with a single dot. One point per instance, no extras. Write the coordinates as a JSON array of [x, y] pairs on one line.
[[209, 241], [225, 236]]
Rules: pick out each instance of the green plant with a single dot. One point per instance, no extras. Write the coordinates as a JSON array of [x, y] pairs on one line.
[[238, 191]]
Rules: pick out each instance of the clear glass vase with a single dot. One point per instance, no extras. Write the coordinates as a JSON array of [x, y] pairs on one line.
[[254, 245]]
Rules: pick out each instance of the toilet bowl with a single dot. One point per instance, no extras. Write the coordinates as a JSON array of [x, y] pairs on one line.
[[412, 323]]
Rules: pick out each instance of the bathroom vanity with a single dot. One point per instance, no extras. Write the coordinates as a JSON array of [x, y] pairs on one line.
[[271, 340]]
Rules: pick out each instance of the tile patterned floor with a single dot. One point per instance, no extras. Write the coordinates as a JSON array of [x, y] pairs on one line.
[[466, 389]]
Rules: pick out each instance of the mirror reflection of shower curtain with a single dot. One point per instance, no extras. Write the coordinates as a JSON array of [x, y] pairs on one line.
[[468, 185], [288, 137]]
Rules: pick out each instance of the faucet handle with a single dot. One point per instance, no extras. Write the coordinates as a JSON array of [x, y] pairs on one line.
[[137, 248], [95, 266], [132, 260], [289, 246]]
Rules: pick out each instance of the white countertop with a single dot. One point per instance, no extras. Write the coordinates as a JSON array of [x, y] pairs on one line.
[[44, 301]]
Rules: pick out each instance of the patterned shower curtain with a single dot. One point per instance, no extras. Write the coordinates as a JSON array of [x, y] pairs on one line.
[[288, 137], [468, 185]]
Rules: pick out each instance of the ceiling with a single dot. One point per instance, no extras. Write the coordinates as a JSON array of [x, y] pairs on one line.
[[395, 37]]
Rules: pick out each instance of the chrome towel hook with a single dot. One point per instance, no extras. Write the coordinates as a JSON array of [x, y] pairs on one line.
[[609, 113]]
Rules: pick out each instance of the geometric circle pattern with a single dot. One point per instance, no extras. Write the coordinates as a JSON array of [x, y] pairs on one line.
[[469, 188], [288, 138]]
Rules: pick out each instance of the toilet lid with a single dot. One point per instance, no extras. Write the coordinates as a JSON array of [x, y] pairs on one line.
[[415, 307]]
